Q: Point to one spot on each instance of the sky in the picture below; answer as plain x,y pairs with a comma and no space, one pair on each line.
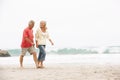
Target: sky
71,23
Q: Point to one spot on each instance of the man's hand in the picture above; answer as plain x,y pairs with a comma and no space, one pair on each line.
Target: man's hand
32,44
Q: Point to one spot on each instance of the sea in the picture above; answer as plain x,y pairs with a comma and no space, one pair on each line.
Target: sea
74,51
109,55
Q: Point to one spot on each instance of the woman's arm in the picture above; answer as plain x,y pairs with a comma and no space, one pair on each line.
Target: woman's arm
48,37
36,38
36,44
51,42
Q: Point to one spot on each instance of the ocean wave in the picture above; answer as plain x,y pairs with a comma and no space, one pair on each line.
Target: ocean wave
73,51
65,51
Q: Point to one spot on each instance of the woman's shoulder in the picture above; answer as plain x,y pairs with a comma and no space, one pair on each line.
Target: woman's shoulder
47,31
38,29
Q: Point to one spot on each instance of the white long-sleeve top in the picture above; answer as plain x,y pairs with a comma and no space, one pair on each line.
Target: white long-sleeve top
41,36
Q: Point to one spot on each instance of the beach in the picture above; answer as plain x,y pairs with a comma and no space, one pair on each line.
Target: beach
63,67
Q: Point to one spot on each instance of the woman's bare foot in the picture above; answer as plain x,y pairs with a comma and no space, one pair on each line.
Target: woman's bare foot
39,65
21,67
42,66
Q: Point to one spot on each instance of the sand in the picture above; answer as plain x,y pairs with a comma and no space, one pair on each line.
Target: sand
64,67
62,71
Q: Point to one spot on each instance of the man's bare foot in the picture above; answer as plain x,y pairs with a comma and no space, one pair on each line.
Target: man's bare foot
37,66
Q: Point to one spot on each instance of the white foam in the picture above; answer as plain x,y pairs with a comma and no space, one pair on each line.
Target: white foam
84,59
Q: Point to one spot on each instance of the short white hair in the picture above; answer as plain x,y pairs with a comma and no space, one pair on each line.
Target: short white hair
31,22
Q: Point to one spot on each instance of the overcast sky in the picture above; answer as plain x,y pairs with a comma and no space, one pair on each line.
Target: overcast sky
71,23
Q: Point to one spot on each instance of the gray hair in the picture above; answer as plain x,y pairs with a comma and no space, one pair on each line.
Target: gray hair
31,22
43,21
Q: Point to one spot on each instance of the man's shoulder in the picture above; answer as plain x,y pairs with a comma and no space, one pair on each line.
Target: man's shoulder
27,29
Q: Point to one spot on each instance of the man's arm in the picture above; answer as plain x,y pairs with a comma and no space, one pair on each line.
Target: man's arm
28,40
25,35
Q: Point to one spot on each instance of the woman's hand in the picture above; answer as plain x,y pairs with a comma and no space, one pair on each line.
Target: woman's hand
52,43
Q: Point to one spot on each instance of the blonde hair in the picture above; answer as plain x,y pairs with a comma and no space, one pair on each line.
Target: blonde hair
45,28
43,22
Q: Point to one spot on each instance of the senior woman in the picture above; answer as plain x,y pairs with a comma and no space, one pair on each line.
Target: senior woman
41,36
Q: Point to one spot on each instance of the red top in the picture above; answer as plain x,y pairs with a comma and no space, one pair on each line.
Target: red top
27,33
